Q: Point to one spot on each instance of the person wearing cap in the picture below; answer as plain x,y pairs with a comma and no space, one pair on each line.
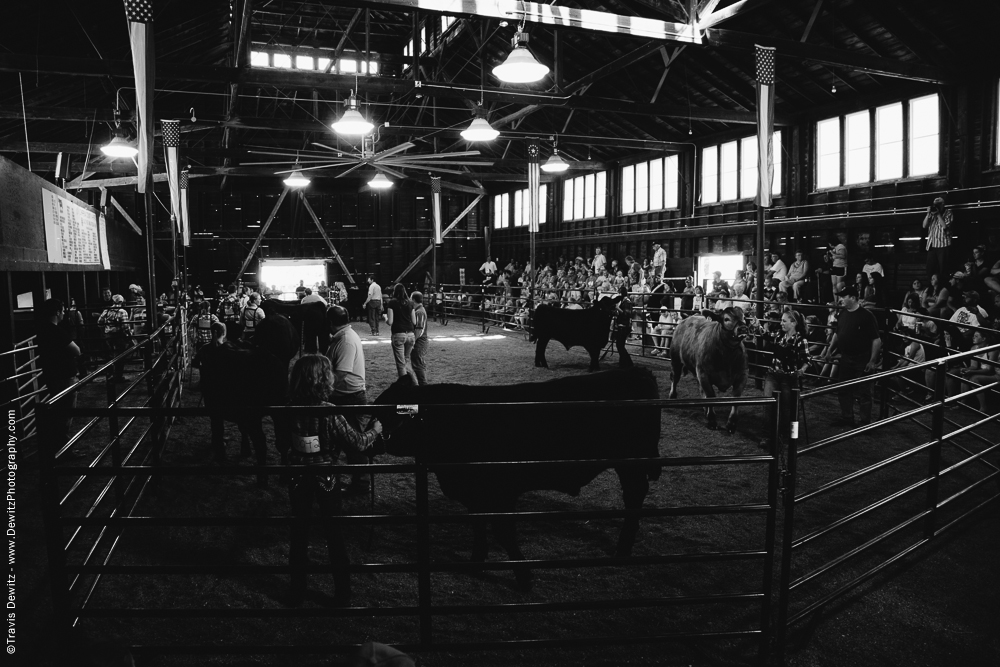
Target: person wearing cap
659,262
937,222
858,343
116,332
970,314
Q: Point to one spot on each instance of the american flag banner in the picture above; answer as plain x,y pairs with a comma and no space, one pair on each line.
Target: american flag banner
765,124
185,220
140,33
534,183
436,209
171,141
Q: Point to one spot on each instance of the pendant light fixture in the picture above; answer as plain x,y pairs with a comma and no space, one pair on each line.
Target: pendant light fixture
352,123
297,179
520,66
380,182
555,164
480,129
119,146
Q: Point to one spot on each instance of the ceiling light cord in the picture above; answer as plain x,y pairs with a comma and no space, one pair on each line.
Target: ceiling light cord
24,117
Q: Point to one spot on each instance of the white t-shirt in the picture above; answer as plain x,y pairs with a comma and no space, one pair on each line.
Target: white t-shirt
489,267
599,262
869,269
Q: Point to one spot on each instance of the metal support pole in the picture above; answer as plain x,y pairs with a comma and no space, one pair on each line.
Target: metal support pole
760,263
788,529
150,262
934,460
773,480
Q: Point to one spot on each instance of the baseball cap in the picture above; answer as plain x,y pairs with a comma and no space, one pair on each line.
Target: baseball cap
849,290
117,298
981,246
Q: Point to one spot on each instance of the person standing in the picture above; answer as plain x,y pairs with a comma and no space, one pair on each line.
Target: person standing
117,332
488,271
937,222
211,368
58,354
419,355
838,256
314,443
599,261
789,362
858,343
252,316
659,263
315,327
230,312
399,310
347,358
374,304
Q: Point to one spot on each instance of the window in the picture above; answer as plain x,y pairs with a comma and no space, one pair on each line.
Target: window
584,196
446,22
656,185
828,153
347,66
322,64
520,208
628,189
924,136
305,62
259,59
889,142
875,137
729,171
501,211
641,190
283,60
857,143
670,181
501,208
649,186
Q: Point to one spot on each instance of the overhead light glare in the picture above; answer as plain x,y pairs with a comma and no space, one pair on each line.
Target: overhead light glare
520,66
555,164
380,182
352,123
297,180
119,146
480,129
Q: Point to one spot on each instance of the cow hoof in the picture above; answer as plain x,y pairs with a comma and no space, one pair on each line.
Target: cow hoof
731,428
712,424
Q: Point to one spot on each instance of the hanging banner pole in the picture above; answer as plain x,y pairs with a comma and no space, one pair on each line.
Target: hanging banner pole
534,182
765,156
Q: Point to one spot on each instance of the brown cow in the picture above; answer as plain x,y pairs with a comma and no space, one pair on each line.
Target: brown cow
713,351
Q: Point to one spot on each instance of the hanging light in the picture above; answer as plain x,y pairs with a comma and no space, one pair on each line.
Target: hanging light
520,66
480,129
380,182
119,146
555,164
352,122
296,179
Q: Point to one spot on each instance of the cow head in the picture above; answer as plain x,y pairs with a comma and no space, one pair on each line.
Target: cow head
734,323
395,427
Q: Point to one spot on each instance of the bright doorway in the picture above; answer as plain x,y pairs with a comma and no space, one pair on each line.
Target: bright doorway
728,264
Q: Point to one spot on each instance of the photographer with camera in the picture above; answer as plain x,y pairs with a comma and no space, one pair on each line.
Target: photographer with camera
937,222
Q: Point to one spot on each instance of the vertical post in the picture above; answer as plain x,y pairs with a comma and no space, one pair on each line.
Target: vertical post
423,556
770,530
534,185
788,528
884,391
150,262
760,263
934,460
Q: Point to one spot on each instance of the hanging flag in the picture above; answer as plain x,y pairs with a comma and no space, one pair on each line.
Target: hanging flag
185,220
171,141
140,33
765,124
436,208
534,183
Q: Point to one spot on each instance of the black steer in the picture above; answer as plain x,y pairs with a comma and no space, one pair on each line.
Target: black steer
461,437
588,329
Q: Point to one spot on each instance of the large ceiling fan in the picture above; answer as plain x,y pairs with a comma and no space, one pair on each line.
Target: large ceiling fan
390,161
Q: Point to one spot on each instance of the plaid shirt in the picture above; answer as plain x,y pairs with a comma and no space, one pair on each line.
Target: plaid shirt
334,433
115,321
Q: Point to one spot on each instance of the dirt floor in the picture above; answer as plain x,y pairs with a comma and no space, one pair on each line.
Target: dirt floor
937,607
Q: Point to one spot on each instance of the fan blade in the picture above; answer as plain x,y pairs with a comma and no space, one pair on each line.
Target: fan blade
391,172
392,151
459,163
322,166
289,162
336,150
440,156
345,173
424,167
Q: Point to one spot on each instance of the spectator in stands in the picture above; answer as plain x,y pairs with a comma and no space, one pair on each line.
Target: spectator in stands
58,355
992,281
857,339
488,271
871,266
938,223
374,305
937,297
798,273
917,290
838,260
789,362
913,354
315,441
750,276
777,273
664,331
698,301
740,299
117,333
634,270
979,270
908,322
399,316
599,262
983,368
719,286
252,316
418,356
970,313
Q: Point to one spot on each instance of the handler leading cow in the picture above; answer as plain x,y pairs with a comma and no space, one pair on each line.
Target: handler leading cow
712,350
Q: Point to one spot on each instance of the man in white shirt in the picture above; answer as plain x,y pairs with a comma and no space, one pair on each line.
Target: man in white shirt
599,260
374,304
488,270
347,355
659,262
779,271
871,266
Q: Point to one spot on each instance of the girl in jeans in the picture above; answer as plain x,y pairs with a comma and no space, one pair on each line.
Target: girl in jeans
399,315
788,362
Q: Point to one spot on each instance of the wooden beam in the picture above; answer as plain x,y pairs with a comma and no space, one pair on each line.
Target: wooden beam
329,243
443,234
263,230
340,48
117,182
128,218
707,20
812,20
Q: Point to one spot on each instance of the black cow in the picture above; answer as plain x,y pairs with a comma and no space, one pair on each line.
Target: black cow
558,436
235,377
588,329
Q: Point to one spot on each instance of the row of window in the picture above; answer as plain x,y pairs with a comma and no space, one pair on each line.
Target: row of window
310,63
420,39
729,170
502,208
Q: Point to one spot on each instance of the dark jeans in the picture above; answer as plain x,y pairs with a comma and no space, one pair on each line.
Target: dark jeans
937,263
374,315
302,491
61,420
850,369
115,346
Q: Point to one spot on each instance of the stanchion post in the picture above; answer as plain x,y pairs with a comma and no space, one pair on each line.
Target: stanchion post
773,478
934,460
424,556
788,528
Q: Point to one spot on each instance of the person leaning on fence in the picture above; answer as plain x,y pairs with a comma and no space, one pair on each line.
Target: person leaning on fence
315,440
789,362
58,356
117,332
858,342
418,357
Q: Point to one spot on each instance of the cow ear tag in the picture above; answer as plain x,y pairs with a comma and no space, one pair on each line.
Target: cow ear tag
407,409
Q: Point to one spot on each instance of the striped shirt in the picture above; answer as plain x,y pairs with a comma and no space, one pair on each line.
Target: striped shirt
937,225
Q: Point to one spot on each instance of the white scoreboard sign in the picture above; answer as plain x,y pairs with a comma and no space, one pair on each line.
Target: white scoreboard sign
74,234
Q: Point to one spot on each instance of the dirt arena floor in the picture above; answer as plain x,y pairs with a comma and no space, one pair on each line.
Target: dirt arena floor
937,608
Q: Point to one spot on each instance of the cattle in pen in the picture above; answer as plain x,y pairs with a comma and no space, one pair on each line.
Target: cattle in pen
589,329
458,436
